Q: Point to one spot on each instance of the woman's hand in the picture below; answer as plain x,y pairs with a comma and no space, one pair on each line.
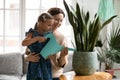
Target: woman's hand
33,57
64,52
62,60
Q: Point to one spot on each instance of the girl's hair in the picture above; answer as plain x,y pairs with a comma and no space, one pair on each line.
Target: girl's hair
55,11
42,18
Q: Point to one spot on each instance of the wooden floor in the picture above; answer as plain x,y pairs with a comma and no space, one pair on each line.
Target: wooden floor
96,76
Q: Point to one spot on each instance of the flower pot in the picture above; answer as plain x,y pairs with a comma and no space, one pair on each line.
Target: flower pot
111,71
84,63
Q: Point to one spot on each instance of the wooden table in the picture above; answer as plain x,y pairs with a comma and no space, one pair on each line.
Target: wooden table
96,76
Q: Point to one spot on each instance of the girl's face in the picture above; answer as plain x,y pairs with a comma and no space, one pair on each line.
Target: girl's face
46,25
57,21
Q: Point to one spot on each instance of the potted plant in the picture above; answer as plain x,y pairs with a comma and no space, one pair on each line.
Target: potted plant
86,33
111,55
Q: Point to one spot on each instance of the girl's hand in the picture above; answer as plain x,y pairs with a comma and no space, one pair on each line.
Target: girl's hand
64,52
41,39
33,57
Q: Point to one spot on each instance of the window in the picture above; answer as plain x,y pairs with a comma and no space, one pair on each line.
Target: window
9,32
17,16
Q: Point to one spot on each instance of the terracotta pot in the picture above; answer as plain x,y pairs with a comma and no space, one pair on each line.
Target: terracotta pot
111,71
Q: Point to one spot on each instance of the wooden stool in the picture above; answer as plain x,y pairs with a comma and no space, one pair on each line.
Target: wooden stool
96,76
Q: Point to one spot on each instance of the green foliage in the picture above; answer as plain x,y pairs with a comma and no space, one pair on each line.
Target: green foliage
86,31
114,38
111,55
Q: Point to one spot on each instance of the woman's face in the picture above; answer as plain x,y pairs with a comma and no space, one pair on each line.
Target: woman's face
57,21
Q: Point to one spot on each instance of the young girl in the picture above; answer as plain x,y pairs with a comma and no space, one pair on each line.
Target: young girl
35,41
59,60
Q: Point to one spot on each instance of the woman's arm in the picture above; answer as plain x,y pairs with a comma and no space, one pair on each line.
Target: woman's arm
62,60
29,56
61,57
32,57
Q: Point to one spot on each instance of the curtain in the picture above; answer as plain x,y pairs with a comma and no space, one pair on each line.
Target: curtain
105,9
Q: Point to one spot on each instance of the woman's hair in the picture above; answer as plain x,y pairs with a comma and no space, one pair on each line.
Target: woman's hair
55,11
42,18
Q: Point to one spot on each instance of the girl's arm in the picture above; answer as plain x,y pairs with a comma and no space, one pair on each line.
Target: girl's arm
29,40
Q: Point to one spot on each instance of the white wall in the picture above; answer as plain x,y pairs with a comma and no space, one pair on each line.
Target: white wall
91,6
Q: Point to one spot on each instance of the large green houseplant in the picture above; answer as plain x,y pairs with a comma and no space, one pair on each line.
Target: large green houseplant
86,33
